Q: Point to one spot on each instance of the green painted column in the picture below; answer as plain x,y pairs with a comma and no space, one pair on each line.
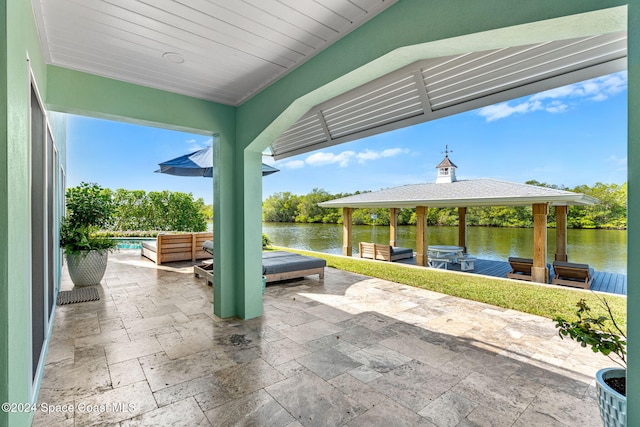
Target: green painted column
4,220
237,282
251,284
226,270
633,213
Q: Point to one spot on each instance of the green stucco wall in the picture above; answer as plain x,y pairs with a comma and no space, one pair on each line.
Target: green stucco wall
19,41
4,220
112,99
633,213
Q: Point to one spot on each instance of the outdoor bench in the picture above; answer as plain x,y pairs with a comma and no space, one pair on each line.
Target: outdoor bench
176,247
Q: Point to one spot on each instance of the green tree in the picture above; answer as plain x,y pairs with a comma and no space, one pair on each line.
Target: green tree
158,210
611,212
407,216
308,209
207,212
131,210
280,207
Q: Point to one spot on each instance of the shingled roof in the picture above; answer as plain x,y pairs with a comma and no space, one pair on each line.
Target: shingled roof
463,193
446,163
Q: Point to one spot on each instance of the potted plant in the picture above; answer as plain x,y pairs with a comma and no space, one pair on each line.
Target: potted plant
89,208
594,331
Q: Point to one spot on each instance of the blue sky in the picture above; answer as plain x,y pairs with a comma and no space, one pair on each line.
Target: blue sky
567,136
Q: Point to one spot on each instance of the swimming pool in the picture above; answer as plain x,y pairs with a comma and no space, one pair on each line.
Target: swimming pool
132,242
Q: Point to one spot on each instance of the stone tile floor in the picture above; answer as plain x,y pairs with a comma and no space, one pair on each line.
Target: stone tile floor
347,350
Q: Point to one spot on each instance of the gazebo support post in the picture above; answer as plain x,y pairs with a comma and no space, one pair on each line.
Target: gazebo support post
462,228
539,271
393,227
561,233
421,235
346,231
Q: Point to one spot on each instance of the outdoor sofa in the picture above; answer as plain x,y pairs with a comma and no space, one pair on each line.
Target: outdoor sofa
572,274
384,252
176,247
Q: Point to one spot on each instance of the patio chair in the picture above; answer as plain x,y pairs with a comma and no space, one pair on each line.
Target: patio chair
520,268
572,274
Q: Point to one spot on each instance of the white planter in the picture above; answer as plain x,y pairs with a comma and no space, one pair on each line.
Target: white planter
613,405
87,268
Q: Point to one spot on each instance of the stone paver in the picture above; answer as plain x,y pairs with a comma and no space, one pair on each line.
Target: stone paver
346,350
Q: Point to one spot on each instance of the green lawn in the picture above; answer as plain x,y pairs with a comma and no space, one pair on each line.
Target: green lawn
529,298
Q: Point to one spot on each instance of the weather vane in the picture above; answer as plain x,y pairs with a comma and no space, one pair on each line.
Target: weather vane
446,150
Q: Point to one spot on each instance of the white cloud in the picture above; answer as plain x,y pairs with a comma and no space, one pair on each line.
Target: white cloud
294,164
367,155
504,109
617,160
321,158
374,155
558,100
194,145
556,107
344,158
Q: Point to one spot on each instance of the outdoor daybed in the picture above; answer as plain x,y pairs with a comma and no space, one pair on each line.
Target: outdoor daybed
384,252
281,265
176,247
572,274
276,265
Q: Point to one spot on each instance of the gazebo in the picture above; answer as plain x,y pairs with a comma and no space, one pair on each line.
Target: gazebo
449,192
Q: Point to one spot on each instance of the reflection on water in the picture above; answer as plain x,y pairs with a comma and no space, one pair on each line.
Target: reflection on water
604,250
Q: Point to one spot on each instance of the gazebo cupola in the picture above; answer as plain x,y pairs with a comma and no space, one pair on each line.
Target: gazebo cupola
446,169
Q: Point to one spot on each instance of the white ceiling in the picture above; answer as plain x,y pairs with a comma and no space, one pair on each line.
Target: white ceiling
231,48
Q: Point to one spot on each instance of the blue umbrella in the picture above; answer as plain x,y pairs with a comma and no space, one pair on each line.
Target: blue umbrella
198,163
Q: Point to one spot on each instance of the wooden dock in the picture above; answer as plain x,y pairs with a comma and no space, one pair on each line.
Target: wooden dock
612,283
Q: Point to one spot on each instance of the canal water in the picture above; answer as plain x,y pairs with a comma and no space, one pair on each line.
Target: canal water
604,250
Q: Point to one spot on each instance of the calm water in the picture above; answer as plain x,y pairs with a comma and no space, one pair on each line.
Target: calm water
604,250
132,242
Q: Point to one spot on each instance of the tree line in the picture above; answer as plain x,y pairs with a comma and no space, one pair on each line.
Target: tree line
610,213
158,211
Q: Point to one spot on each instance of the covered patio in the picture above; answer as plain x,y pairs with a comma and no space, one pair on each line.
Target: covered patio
293,77
348,349
449,192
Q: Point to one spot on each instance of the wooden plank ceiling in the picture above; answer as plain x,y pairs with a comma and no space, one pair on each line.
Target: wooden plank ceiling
220,50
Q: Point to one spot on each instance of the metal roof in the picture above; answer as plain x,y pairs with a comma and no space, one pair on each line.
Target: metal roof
434,88
462,193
